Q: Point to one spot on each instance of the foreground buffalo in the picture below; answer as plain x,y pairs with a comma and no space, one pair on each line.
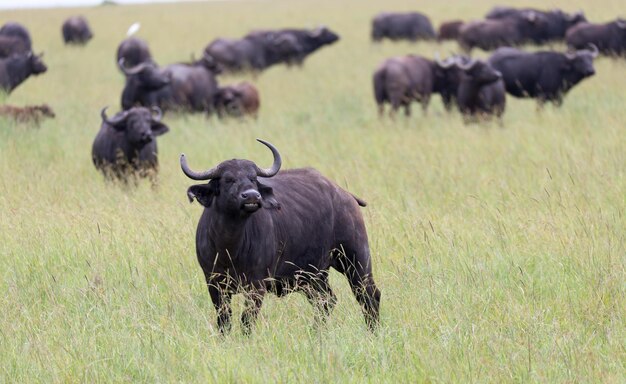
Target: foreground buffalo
17,68
401,80
397,26
133,51
14,39
180,86
237,100
554,28
279,232
126,145
449,30
609,38
490,34
76,30
481,91
545,75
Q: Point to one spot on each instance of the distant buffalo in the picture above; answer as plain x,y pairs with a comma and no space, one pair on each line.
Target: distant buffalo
180,86
553,28
133,51
17,68
609,38
126,144
545,75
491,34
449,30
481,92
259,50
401,80
411,26
237,100
264,231
76,30
14,39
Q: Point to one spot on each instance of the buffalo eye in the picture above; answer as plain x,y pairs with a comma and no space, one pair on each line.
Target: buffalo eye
229,180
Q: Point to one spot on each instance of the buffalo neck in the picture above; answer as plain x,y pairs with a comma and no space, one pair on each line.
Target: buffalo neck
228,231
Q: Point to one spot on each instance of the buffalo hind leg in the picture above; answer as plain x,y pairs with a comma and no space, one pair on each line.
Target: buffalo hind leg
254,301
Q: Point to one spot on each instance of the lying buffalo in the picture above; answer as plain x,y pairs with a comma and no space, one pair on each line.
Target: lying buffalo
14,39
449,30
481,92
126,145
190,87
237,100
402,80
554,28
490,34
411,26
544,75
17,68
609,38
133,51
279,232
76,30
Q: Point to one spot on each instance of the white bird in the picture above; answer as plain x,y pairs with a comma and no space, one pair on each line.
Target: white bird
133,29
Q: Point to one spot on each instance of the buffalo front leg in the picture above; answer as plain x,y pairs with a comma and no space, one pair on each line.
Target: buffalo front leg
221,296
323,299
254,301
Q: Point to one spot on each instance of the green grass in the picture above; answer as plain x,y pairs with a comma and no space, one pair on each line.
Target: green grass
500,253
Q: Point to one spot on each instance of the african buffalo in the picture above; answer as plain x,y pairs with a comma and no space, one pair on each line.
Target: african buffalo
544,75
14,39
481,91
554,28
134,51
237,100
17,68
449,30
176,86
402,80
126,144
490,34
609,38
411,26
279,232
76,30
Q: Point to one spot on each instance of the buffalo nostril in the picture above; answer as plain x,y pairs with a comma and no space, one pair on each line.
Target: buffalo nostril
244,195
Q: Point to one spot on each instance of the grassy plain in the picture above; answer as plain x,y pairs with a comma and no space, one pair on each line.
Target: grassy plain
500,253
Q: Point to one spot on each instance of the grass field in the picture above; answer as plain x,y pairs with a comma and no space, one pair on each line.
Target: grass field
500,252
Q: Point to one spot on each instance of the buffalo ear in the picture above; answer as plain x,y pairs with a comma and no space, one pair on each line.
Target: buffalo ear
204,193
267,193
159,128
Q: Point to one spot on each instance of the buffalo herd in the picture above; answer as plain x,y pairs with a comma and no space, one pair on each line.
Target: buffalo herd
279,232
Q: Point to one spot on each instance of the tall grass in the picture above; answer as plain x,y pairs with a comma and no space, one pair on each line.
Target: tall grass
500,253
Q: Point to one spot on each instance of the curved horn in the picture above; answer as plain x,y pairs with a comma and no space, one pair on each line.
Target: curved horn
134,70
206,175
277,161
158,111
531,16
114,120
621,23
593,50
443,64
467,66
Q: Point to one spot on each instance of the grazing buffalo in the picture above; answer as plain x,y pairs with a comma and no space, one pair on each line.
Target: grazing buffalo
609,38
402,80
449,30
28,114
126,144
292,46
134,51
545,75
490,34
554,28
180,86
17,68
411,26
237,100
14,39
76,30
279,232
481,92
